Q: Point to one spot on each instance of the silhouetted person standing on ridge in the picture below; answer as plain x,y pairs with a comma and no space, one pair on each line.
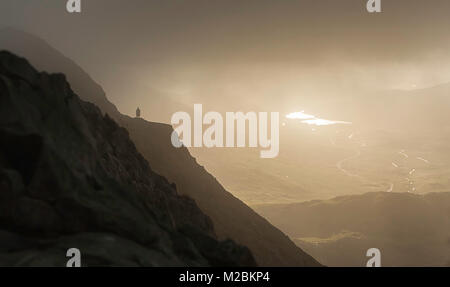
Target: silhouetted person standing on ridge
138,113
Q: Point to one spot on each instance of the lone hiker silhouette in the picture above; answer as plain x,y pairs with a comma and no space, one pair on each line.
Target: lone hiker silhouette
138,113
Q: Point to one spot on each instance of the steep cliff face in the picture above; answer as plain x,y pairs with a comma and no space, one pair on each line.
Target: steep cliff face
231,217
71,178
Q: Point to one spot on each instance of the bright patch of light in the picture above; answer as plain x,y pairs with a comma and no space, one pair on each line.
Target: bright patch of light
323,122
299,116
312,120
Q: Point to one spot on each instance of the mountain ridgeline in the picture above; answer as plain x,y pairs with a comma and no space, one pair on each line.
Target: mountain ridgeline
70,177
231,218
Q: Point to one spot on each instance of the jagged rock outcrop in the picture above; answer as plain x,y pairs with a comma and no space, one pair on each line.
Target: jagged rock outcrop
231,217
70,177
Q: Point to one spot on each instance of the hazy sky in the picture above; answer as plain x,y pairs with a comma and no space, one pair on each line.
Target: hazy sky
246,54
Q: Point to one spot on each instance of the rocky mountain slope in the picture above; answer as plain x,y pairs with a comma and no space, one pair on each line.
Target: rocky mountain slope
231,217
70,177
409,229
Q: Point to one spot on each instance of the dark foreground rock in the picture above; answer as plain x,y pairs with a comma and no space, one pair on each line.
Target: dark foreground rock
71,178
231,217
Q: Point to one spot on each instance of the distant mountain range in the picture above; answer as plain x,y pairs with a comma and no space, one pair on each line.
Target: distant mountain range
231,217
409,229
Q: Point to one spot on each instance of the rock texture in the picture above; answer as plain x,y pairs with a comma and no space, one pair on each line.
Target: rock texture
70,177
231,217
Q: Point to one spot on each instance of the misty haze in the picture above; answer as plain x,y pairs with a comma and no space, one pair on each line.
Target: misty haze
364,130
